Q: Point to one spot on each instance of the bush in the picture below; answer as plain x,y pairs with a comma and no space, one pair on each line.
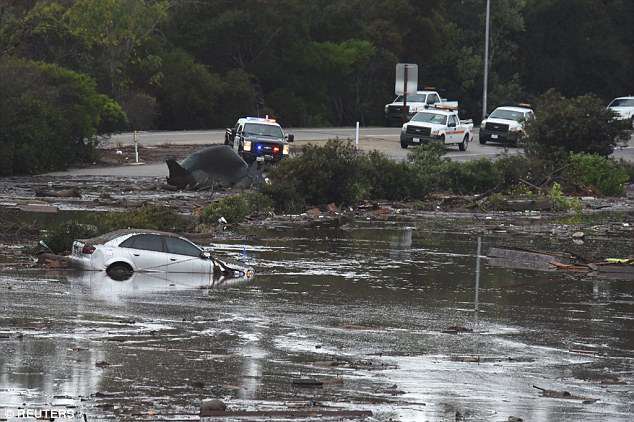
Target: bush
324,174
580,124
604,176
146,217
237,207
60,237
391,180
49,117
561,202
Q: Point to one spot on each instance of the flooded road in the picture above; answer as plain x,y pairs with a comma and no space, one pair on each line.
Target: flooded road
361,317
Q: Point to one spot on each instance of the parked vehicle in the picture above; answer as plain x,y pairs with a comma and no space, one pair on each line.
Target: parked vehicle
259,139
122,252
420,101
506,125
624,108
441,125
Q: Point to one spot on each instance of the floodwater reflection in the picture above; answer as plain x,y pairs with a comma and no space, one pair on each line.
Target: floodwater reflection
367,307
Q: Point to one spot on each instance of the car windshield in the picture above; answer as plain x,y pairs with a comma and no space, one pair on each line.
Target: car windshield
622,102
258,129
414,98
518,116
424,117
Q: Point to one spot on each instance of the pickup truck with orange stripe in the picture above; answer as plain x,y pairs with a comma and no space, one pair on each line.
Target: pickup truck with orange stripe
440,125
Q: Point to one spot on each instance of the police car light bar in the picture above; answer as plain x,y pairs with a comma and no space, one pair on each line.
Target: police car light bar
261,119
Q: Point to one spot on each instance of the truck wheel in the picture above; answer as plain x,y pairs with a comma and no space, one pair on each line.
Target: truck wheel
463,145
403,145
482,141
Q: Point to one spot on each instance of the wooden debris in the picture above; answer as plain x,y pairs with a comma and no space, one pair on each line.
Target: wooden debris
555,394
455,329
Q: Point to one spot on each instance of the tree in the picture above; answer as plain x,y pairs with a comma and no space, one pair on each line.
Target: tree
50,117
113,30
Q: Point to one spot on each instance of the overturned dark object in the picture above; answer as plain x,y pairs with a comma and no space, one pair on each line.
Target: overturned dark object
213,166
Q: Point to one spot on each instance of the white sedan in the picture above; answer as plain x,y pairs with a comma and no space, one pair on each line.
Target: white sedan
122,252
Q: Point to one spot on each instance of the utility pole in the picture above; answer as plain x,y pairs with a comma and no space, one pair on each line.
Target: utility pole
486,60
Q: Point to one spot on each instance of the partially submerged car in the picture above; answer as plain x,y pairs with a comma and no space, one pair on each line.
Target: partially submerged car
506,124
123,252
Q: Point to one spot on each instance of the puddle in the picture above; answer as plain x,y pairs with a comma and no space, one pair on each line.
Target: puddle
360,310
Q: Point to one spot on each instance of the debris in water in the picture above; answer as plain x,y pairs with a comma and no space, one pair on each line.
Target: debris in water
455,329
555,394
212,405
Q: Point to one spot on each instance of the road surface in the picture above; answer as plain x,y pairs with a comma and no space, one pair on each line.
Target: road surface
382,139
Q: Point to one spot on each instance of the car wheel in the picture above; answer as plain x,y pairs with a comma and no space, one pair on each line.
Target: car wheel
119,271
463,145
482,141
403,144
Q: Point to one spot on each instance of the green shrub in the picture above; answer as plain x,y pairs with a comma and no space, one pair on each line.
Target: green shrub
146,217
236,208
49,116
60,237
324,174
562,202
580,124
391,180
285,199
603,175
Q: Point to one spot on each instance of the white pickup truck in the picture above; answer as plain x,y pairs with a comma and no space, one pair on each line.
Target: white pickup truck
439,124
419,101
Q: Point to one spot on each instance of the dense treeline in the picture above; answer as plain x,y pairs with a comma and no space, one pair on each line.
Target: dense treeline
182,64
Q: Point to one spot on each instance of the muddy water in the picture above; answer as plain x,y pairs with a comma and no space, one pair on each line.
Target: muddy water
361,308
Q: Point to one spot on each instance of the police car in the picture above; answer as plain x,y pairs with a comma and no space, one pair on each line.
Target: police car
258,139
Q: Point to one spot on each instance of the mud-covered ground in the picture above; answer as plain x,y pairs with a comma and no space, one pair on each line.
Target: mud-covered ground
366,308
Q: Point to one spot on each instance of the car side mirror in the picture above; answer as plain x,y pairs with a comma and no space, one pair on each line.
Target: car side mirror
205,255
290,137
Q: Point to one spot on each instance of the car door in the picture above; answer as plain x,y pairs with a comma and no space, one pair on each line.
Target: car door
452,124
185,257
146,252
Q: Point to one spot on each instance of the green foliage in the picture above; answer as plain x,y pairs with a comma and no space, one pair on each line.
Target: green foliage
60,237
603,175
49,116
561,202
392,180
145,217
322,62
324,174
564,125
236,208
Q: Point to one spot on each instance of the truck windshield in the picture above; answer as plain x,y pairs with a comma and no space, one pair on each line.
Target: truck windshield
424,117
518,116
259,129
414,98
622,102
